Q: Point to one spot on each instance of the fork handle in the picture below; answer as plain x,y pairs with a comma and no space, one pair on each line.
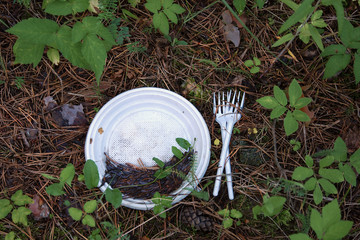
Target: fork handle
228,167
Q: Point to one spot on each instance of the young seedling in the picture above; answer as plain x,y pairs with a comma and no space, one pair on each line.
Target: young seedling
229,217
78,214
18,215
66,176
253,65
161,203
271,206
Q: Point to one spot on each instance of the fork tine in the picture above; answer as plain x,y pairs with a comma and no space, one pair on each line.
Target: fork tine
219,103
214,103
233,103
242,101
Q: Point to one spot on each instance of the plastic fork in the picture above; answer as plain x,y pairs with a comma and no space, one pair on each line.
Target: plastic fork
229,114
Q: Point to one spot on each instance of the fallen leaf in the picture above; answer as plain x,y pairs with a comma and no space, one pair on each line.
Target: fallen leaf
227,17
243,18
39,208
231,32
50,103
73,115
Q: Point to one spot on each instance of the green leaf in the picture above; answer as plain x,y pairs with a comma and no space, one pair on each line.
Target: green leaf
326,161
183,143
78,32
317,14
280,96
290,124
349,174
338,230
75,213
94,53
88,220
48,176
10,236
20,214
335,64
156,198
331,214
309,161
224,212
340,150
254,70
303,10
283,40
316,37
249,63
256,211
90,206
171,16
349,35
177,152
310,184
302,102
327,186
317,195
334,175
91,174
62,8
260,3
305,33
300,236
5,208
235,213
153,6
27,53
278,111
268,102
160,163
257,61
67,174
316,223
113,196
301,116
333,50
160,22
163,173
227,222
53,55
167,3
320,23
239,5
158,209
55,189
295,92
291,4
302,173
20,199
176,8
202,195
273,206
355,160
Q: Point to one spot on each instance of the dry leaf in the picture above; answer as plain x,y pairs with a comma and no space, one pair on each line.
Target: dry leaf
227,17
39,208
231,32
74,115
243,18
50,103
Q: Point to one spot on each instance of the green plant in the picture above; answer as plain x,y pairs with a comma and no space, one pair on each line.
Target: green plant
329,176
19,82
296,144
175,42
26,3
253,65
164,10
271,206
66,176
161,203
229,216
112,232
19,214
279,102
328,225
136,47
84,216
239,5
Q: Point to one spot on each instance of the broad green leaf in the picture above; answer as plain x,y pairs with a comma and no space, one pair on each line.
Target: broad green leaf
160,22
273,206
94,25
5,208
317,195
153,5
158,209
301,116
55,189
94,53
349,35
249,63
338,230
333,49
348,172
295,92
331,214
316,37
156,198
176,8
310,184
283,40
260,3
320,23
20,199
10,236
254,70
88,220
160,163
35,30
224,212
327,186
280,96
335,64
27,53
53,55
290,124
62,8
316,223
355,160
302,173
302,102
183,143
67,174
239,5
114,197
235,213
334,175
19,215
326,161
268,102
78,32
167,3
91,174
340,150
75,213
227,222
171,16
305,33
177,152
357,67
300,236
317,14
256,211
309,161
257,61
90,206
278,111
303,10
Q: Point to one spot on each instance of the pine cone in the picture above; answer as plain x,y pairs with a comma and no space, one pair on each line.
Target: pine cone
196,218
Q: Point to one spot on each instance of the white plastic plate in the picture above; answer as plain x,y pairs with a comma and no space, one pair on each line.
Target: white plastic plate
141,124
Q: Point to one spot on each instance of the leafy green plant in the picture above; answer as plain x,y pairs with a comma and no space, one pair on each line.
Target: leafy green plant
230,216
112,232
84,216
66,176
164,10
271,206
161,203
253,65
279,102
175,42
19,214
296,144
136,47
328,225
239,5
